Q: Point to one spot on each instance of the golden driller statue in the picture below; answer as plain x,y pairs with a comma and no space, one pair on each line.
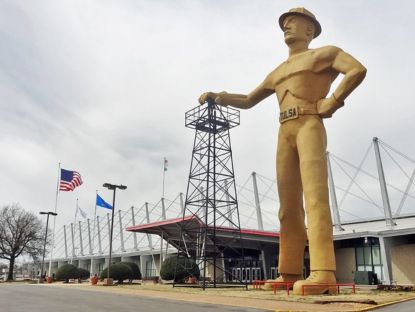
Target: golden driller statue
301,84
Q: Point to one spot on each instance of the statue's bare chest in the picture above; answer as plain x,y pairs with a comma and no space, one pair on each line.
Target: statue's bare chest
307,75
296,68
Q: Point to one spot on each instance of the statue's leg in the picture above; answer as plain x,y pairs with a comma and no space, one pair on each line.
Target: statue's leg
311,144
291,214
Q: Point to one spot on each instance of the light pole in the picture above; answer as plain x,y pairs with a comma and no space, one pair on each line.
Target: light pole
114,188
46,237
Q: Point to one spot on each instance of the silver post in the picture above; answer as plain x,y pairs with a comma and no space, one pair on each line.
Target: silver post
147,213
264,264
150,244
66,243
121,231
73,243
99,236
81,245
163,209
386,260
89,237
92,249
181,204
257,204
161,250
336,212
134,233
167,246
383,187
143,272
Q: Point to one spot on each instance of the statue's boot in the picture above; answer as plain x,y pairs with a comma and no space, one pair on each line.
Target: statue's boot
283,278
318,281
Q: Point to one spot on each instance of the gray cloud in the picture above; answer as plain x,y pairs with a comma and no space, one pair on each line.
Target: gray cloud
102,87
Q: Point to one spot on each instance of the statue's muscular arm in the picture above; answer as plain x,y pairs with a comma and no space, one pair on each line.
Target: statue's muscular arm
354,73
242,101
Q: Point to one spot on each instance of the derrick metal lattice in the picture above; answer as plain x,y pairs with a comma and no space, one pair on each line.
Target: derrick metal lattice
211,198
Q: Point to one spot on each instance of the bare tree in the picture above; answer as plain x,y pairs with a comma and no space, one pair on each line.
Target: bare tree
21,233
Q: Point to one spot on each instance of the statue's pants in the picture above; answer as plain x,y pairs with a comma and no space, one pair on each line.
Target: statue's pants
302,167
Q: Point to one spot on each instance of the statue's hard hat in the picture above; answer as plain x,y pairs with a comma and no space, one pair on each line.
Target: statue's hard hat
302,12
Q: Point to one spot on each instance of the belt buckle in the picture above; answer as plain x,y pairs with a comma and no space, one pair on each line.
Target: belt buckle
289,114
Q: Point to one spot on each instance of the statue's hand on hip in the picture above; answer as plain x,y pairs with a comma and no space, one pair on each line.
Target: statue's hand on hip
326,107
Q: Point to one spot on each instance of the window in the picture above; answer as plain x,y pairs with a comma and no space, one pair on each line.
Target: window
360,260
367,252
376,255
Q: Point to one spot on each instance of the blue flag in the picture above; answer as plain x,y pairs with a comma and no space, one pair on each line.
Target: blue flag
102,203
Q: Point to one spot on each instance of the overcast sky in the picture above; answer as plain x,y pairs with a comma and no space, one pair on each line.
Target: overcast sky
102,88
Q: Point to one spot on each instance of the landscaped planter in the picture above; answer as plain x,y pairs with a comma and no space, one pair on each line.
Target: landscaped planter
94,280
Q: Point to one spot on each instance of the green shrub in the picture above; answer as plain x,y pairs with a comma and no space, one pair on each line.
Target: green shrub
135,269
118,271
66,272
83,273
185,267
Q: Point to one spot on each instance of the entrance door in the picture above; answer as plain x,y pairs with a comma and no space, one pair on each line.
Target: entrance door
238,274
248,275
234,275
256,274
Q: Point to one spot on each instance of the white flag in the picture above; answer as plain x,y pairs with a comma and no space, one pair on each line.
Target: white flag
83,213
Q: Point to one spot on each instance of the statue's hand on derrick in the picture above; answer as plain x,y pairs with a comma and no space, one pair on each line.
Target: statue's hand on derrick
212,96
326,107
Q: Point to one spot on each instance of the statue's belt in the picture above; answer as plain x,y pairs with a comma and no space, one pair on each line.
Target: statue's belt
294,111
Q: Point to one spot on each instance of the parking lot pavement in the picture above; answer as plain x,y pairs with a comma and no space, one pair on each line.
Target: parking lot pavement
41,298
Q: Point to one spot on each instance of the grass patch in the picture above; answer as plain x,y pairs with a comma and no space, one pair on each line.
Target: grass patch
346,295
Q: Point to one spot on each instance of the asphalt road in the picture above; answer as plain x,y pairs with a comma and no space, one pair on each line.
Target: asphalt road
407,306
39,298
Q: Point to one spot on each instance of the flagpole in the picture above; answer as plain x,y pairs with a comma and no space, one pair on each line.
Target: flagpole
93,235
76,211
54,219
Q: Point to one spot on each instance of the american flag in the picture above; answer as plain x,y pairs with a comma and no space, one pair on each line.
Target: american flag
69,180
